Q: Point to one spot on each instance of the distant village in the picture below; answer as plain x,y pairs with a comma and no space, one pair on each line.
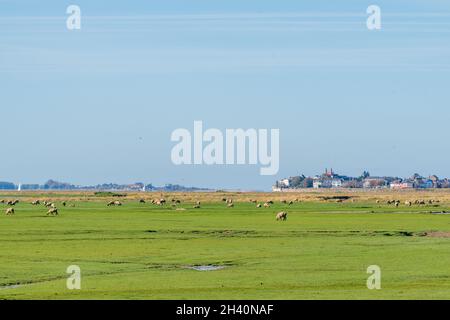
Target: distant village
330,179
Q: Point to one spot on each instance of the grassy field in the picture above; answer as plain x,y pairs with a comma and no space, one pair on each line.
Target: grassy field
143,251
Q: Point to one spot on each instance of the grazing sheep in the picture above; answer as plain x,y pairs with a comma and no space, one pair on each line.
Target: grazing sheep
64,203
266,205
9,211
117,203
230,205
53,212
282,216
111,203
291,203
270,202
198,203
283,201
36,202
259,205
408,203
141,201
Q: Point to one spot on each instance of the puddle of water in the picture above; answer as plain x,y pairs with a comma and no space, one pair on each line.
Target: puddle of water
206,268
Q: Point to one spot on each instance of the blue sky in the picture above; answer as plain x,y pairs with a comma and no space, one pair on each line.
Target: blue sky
99,104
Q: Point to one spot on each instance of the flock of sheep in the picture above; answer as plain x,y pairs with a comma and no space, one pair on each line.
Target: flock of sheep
410,203
52,209
281,216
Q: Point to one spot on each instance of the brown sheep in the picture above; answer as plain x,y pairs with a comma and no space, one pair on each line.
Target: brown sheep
282,216
53,212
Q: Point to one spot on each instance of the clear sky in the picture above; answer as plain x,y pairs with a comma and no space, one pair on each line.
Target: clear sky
99,104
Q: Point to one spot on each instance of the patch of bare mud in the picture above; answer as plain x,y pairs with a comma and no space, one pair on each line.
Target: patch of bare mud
438,234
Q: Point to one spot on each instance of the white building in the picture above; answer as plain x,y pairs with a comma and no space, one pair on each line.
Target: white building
284,183
336,183
402,185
